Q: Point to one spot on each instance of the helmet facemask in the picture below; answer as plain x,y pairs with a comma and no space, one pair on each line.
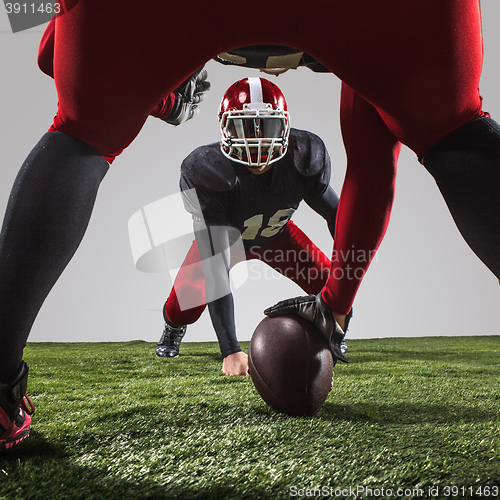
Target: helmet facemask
255,136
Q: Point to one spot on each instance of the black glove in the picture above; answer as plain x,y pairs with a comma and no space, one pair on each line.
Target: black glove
313,309
187,97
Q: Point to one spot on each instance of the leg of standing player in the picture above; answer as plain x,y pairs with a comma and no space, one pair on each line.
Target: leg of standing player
52,199
108,77
365,201
419,64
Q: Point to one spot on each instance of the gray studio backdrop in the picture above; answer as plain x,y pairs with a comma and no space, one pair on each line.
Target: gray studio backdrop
424,281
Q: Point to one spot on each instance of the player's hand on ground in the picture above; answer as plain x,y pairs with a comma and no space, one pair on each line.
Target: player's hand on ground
188,96
235,364
313,309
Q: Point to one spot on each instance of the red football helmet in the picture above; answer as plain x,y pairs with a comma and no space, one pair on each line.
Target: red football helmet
254,122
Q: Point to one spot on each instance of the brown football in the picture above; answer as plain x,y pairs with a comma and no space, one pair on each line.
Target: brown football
290,365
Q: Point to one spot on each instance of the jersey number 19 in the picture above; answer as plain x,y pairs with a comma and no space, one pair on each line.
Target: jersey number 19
254,224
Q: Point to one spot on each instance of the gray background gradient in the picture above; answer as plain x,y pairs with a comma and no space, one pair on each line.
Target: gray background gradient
424,281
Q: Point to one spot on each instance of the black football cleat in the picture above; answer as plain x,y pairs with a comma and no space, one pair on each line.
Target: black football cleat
168,346
343,347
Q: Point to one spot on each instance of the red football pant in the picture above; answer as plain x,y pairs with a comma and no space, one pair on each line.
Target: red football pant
418,63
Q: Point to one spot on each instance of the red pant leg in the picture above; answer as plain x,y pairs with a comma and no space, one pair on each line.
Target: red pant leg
365,201
296,257
188,289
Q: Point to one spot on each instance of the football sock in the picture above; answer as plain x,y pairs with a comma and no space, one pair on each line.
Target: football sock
47,214
466,167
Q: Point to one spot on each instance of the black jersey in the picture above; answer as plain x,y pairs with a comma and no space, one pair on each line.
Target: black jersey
259,206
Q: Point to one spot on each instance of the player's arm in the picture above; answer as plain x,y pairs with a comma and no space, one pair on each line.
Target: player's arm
214,247
183,103
178,107
326,205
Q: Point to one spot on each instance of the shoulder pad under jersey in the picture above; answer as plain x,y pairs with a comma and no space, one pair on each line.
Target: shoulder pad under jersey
272,59
308,153
207,168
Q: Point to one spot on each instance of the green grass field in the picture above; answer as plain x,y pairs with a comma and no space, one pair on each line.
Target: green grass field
407,418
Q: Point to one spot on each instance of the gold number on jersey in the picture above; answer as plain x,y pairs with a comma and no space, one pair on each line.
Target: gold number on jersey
275,223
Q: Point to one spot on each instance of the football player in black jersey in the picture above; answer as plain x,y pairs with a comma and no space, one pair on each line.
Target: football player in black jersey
248,187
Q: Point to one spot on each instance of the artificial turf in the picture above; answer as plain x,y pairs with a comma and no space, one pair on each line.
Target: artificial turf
407,418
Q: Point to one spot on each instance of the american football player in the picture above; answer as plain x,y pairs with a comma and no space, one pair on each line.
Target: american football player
413,65
179,106
251,182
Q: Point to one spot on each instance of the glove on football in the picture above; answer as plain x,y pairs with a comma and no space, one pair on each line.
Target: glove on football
313,309
187,97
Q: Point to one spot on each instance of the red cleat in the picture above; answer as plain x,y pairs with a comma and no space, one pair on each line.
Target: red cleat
16,409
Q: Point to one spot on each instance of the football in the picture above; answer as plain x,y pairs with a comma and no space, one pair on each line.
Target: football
290,365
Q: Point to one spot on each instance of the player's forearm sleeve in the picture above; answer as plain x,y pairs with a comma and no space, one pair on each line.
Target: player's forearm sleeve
213,245
222,316
326,205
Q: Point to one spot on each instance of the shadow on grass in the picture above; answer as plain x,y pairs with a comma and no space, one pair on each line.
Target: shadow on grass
210,355
405,413
38,469
157,422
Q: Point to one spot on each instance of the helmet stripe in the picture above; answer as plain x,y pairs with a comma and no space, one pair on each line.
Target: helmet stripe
255,90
